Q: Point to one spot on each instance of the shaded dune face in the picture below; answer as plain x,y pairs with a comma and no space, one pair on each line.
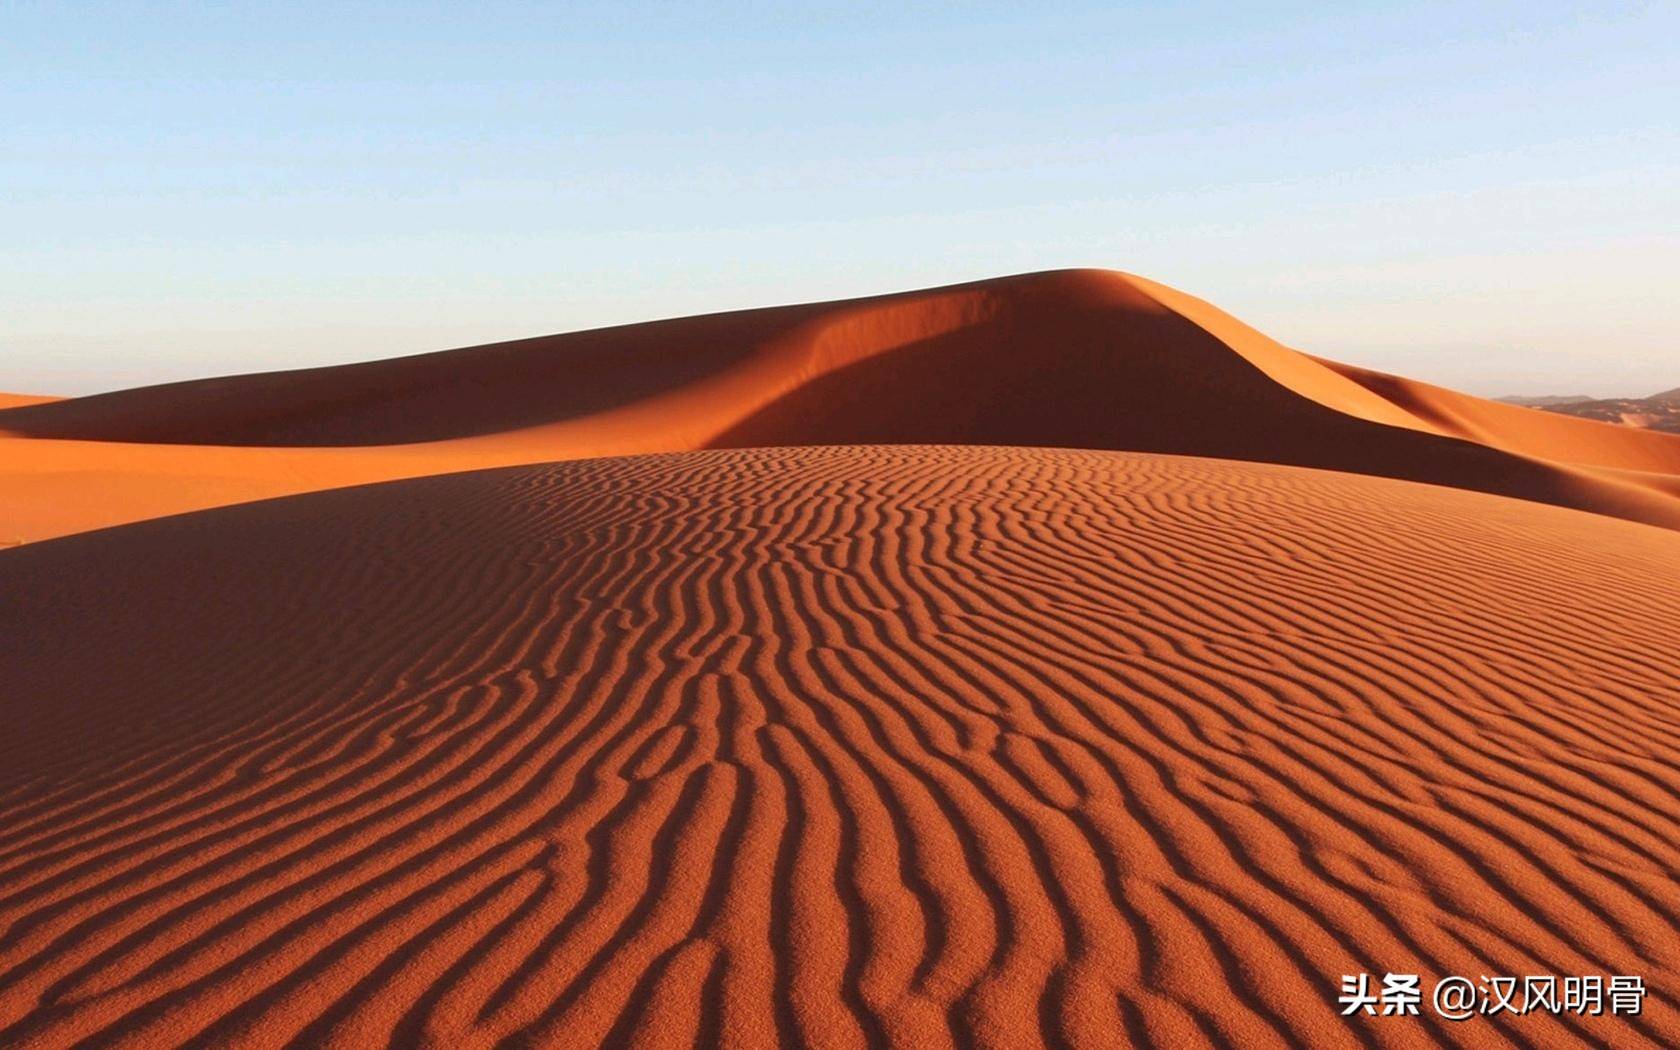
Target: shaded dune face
840,747
1072,359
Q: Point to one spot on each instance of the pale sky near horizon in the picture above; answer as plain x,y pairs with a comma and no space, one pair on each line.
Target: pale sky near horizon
1487,198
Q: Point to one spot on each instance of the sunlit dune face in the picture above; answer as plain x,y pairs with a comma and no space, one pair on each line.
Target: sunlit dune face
1077,358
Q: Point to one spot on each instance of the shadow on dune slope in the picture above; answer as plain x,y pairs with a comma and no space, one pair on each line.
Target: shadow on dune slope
1076,358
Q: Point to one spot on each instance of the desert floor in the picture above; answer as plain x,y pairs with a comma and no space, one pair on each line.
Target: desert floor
1045,661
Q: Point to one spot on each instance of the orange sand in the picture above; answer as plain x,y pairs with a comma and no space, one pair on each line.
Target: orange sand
19,400
1073,358
937,736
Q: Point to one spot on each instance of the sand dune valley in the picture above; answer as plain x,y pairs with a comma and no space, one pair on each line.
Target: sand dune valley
1046,661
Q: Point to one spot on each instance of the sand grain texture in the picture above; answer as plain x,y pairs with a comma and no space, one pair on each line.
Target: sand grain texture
847,746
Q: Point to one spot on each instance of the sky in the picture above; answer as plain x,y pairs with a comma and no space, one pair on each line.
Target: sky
1481,195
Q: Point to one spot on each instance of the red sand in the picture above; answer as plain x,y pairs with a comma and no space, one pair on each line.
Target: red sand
917,745
908,745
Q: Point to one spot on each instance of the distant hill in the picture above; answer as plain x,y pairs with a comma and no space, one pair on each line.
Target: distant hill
1659,412
1544,400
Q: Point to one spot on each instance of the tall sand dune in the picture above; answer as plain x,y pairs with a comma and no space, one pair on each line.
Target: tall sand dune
846,746
1075,358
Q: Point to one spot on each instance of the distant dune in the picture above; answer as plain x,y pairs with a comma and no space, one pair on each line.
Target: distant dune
1078,358
838,747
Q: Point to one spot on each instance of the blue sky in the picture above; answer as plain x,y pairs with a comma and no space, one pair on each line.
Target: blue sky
1487,198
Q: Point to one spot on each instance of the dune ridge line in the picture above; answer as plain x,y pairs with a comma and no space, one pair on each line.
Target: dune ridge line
1072,358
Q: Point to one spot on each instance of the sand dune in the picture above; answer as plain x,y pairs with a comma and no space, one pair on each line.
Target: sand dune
846,746
20,400
1078,358
968,667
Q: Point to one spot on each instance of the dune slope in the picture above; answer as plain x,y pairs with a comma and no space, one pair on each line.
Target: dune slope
1078,358
22,400
842,746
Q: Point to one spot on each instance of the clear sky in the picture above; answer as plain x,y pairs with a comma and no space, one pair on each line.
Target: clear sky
1484,195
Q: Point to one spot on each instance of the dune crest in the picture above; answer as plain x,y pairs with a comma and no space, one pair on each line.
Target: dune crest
1074,358
20,400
